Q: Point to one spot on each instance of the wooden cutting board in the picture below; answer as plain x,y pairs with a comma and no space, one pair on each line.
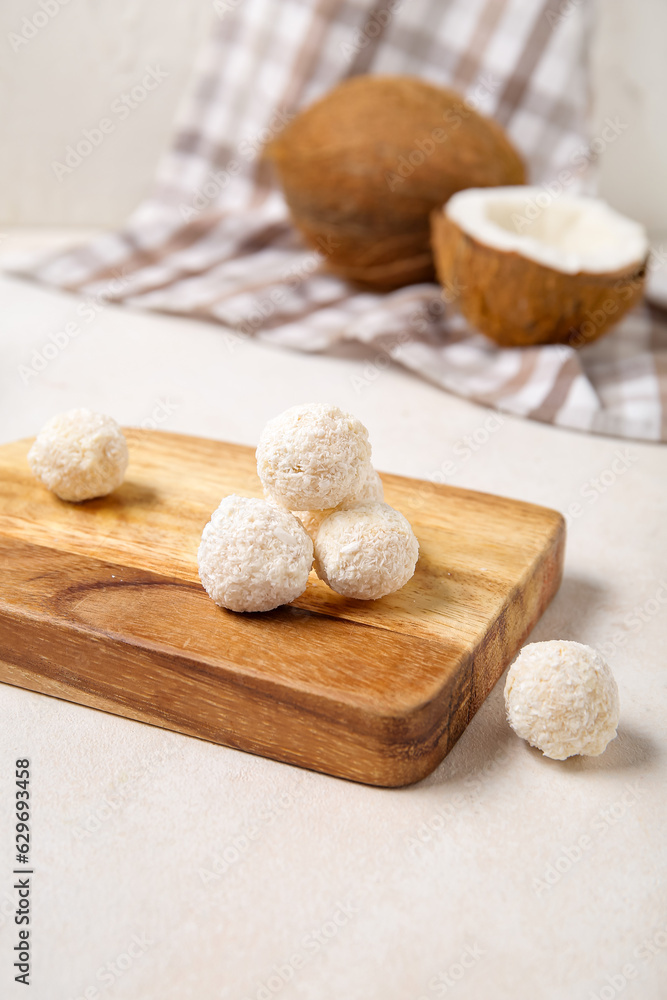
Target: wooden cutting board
100,604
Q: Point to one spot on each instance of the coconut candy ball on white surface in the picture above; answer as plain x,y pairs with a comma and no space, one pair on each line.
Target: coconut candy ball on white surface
79,455
562,697
309,456
253,556
367,486
365,550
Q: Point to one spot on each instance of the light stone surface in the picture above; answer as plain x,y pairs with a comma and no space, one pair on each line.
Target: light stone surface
230,867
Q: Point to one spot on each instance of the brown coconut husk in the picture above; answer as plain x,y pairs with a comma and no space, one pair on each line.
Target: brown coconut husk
518,302
362,169
391,261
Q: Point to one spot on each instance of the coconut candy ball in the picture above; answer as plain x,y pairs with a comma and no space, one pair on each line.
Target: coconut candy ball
367,486
253,556
365,550
80,455
562,697
309,456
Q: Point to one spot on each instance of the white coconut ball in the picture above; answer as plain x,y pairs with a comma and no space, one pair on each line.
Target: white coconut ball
365,550
253,556
367,486
309,456
562,697
80,455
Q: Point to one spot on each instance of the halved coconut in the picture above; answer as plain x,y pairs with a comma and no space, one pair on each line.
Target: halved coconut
525,267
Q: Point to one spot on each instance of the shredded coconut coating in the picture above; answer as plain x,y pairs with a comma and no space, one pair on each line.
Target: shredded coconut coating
367,486
365,550
253,556
309,456
562,697
80,455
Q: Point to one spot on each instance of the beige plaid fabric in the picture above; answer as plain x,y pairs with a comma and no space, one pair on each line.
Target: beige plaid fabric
215,241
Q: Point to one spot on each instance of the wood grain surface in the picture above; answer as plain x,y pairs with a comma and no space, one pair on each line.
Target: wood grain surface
100,604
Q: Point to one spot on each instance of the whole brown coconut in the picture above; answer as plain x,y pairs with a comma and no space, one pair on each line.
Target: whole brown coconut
362,169
520,290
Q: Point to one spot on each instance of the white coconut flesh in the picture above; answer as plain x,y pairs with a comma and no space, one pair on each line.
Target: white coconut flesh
569,233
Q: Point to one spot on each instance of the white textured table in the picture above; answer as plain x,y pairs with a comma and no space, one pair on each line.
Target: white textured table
170,868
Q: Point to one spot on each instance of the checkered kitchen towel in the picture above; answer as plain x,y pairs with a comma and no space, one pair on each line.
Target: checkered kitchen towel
215,241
